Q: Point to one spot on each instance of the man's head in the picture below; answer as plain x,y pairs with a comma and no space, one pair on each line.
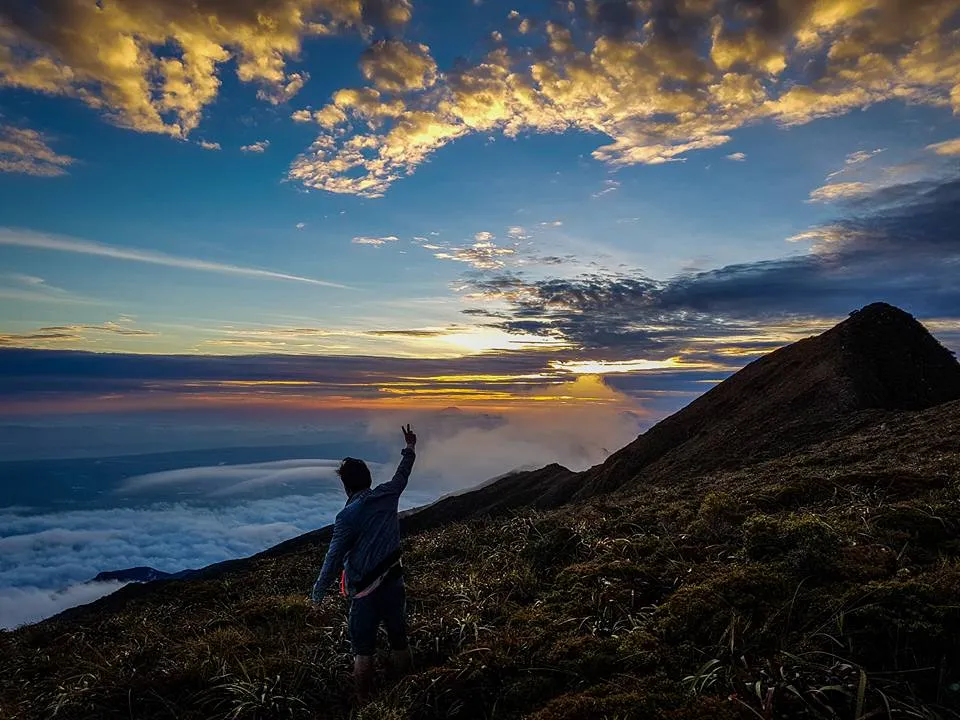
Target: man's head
354,474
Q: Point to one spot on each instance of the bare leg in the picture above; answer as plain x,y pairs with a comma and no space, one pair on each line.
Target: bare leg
363,676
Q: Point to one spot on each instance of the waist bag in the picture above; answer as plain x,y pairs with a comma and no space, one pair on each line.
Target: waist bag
390,568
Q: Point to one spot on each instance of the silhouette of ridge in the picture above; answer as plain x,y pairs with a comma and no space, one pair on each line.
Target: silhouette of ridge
880,358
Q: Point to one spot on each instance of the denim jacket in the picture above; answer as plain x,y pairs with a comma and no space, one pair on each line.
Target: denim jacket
366,531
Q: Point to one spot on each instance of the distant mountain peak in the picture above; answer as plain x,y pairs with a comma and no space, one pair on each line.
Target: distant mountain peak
878,359
892,360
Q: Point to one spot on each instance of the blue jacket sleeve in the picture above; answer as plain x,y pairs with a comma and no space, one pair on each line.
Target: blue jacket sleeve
340,544
402,475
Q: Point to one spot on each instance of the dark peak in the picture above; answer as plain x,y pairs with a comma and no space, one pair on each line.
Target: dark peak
880,358
881,314
881,309
892,360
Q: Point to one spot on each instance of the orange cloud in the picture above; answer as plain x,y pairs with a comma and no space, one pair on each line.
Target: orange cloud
109,54
948,147
659,85
395,66
26,151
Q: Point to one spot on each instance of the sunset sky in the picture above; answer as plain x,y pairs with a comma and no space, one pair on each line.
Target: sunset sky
461,202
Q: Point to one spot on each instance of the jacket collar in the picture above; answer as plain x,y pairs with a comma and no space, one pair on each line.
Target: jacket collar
356,496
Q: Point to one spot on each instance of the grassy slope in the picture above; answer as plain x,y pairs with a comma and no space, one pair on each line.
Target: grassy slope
824,582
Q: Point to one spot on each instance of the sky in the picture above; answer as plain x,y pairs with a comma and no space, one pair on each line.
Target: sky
410,204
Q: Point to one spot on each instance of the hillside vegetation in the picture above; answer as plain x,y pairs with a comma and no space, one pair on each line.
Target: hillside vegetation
821,582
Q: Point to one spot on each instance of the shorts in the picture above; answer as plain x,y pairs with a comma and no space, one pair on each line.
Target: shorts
386,604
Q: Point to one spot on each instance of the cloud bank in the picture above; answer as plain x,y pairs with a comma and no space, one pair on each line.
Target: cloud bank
898,243
46,558
226,480
659,80
21,606
114,57
234,510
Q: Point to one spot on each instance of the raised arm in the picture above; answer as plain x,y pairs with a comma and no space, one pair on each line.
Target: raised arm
402,475
340,544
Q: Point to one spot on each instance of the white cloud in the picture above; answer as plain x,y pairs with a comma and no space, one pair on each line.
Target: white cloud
840,191
737,156
257,147
853,163
26,152
24,605
208,145
229,516
484,236
475,450
301,225
40,241
484,254
861,156
377,241
28,288
609,187
517,233
219,480
43,553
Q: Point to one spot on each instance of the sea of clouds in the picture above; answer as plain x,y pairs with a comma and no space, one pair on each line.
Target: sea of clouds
47,559
222,512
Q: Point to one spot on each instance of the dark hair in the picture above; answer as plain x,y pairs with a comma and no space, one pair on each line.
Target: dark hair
354,474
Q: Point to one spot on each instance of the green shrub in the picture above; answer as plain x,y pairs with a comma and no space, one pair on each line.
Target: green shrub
803,542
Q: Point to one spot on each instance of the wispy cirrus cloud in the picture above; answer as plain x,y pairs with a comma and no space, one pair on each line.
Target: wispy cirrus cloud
30,288
40,241
56,335
375,241
26,152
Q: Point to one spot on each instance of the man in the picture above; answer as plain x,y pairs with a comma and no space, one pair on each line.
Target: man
366,544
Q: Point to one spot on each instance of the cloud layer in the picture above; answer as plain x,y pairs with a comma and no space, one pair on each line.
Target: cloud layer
20,606
114,55
898,243
235,511
42,241
45,558
227,480
659,79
